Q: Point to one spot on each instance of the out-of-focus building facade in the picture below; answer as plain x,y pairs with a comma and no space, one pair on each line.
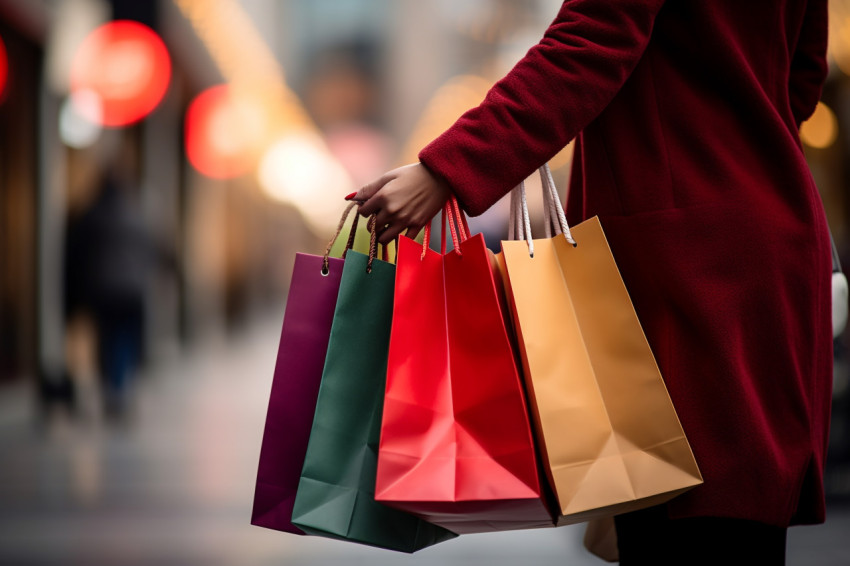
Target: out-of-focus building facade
373,80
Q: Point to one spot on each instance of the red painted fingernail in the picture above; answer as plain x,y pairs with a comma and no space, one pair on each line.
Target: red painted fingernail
351,196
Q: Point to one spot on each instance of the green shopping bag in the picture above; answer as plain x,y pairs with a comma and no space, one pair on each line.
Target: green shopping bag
336,491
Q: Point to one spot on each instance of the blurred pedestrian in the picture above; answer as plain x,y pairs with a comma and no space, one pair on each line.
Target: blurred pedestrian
110,257
686,115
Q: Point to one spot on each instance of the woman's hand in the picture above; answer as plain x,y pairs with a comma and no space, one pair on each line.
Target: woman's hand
406,198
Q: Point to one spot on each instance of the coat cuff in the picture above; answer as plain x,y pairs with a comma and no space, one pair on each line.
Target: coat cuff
436,157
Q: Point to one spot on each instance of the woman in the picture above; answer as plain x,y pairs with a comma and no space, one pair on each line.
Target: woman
686,115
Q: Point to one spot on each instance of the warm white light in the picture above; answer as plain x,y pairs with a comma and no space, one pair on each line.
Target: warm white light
75,129
299,170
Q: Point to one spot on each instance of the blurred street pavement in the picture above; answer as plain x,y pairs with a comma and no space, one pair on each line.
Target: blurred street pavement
174,486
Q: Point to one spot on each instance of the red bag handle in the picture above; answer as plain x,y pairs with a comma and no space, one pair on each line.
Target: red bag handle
458,227
460,219
385,251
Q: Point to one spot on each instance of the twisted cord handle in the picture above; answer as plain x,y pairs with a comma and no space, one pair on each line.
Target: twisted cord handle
519,227
458,227
373,241
349,244
557,216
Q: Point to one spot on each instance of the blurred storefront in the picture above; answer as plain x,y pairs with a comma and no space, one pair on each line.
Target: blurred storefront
222,246
272,111
21,56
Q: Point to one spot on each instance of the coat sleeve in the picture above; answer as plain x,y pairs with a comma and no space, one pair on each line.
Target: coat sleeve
808,64
558,88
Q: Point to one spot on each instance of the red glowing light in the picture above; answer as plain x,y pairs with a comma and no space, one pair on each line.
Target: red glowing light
223,131
4,67
127,65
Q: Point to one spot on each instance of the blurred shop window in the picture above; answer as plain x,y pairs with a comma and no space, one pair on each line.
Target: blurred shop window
19,94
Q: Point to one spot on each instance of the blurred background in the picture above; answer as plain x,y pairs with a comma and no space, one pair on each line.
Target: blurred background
161,162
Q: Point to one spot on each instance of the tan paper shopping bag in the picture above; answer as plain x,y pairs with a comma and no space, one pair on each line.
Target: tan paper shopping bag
609,435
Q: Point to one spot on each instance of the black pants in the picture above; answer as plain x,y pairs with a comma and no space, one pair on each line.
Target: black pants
648,537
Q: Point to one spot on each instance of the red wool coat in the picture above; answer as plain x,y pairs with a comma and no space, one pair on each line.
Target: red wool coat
687,113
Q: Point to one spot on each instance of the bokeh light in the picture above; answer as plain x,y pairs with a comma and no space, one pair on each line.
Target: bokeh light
223,131
127,65
839,34
298,169
821,130
4,67
75,128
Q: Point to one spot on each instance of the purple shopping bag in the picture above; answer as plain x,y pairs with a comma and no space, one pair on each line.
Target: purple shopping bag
295,386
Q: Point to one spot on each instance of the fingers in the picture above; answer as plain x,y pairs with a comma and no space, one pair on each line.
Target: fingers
403,199
390,225
373,195
368,190
413,232
389,234
369,207
367,194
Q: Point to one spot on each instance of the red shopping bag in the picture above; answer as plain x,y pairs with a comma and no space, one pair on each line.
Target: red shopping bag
456,446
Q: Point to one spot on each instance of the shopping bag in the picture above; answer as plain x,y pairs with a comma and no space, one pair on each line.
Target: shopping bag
300,358
336,491
609,435
456,445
